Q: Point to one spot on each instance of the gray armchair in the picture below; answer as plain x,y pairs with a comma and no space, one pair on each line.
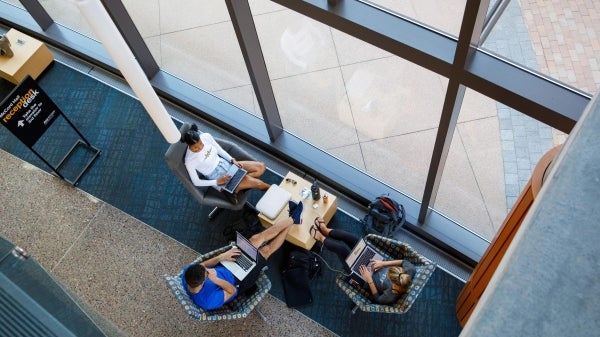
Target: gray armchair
206,195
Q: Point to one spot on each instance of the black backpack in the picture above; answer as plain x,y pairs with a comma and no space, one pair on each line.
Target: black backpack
304,259
248,225
301,267
384,216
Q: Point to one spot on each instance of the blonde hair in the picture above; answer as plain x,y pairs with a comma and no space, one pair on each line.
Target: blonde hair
400,277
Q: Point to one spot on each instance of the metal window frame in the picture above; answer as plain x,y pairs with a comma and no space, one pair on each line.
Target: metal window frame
38,12
117,11
458,59
245,30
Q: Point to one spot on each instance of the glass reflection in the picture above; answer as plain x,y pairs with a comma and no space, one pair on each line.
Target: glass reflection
363,105
195,42
492,156
67,14
445,16
25,281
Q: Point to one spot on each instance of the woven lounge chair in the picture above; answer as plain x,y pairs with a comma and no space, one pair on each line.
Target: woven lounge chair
240,307
392,250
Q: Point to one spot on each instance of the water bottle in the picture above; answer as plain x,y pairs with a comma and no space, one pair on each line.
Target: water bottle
315,190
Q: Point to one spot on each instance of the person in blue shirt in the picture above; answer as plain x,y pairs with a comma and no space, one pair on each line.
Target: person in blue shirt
211,285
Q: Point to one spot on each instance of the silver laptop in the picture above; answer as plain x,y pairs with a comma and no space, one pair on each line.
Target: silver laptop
236,173
244,262
362,253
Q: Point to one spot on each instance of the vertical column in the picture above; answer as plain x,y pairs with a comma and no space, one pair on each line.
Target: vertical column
243,24
130,33
107,32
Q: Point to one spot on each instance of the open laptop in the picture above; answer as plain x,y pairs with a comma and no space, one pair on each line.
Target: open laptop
362,253
236,173
244,262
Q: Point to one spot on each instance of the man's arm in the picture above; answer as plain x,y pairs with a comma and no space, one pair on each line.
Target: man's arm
225,256
228,288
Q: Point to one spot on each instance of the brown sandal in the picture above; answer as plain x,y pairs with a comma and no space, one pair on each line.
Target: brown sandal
317,224
313,232
318,244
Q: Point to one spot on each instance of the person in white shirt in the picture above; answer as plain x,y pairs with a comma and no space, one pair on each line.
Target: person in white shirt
205,156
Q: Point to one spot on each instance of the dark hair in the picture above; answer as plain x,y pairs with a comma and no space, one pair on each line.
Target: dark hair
191,136
195,275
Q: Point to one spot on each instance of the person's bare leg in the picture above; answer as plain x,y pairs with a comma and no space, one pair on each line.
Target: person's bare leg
268,234
251,182
255,168
275,234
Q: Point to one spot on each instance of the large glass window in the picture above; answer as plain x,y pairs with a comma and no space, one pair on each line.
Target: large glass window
13,2
195,42
472,189
557,38
492,156
67,14
554,38
445,16
371,109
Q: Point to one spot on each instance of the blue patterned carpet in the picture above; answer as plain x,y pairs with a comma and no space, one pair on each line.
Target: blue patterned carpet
132,175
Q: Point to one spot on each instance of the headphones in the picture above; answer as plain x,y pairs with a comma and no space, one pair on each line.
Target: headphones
191,136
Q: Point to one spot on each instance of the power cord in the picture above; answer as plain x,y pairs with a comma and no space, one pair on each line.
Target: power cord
329,267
